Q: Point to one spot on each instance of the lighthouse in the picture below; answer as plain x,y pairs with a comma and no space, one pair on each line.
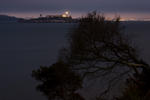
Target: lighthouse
66,14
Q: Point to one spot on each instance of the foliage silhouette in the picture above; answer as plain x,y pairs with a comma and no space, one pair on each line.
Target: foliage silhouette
58,81
100,48
97,47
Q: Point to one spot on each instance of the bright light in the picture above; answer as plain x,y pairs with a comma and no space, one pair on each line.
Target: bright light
64,15
67,12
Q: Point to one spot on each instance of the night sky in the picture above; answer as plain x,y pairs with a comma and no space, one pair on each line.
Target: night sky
128,7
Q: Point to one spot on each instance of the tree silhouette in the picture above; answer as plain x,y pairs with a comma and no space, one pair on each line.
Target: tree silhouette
101,48
58,82
97,47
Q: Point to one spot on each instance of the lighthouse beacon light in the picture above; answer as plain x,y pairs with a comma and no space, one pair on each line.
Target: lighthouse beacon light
66,14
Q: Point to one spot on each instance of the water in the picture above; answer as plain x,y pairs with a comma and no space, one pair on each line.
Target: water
24,47
140,34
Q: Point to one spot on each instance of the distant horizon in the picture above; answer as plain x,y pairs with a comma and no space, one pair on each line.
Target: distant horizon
109,15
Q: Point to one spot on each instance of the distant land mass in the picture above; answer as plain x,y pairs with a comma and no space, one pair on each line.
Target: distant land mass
6,18
60,18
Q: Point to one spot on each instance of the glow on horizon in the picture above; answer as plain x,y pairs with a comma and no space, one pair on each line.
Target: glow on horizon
124,16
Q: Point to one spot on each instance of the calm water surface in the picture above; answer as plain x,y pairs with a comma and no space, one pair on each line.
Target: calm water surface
24,47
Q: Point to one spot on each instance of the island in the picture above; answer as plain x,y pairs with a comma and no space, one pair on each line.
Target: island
63,18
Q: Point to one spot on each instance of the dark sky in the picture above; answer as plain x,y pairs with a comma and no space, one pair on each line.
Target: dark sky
75,5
